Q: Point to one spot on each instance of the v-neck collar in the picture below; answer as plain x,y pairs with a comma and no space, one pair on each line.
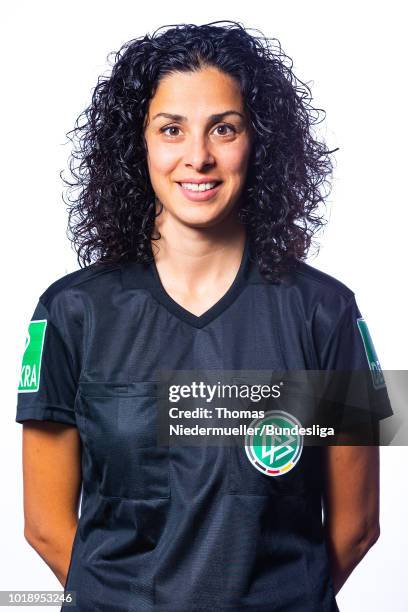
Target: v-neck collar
151,281
216,309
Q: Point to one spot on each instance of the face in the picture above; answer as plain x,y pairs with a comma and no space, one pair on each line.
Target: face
198,144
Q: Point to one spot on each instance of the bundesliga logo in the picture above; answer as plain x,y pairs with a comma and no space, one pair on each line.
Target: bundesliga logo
273,454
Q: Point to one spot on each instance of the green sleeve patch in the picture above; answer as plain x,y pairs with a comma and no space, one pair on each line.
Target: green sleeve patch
31,364
372,358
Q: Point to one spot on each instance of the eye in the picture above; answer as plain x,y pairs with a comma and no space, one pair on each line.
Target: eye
223,126
173,130
163,130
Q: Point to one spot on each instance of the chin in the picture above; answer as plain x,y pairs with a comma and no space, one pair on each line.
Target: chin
201,223
202,218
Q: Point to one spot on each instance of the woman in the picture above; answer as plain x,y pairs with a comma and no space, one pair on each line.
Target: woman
199,184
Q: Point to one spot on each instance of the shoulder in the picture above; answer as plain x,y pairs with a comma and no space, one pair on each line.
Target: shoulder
309,279
316,301
313,293
329,306
93,276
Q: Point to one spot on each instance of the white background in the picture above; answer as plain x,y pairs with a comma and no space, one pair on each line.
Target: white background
52,54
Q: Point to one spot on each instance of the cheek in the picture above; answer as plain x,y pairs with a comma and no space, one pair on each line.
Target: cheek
161,159
235,161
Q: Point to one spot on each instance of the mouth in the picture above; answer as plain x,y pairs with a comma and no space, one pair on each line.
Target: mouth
198,192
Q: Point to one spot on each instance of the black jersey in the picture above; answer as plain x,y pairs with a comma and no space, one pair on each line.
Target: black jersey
187,528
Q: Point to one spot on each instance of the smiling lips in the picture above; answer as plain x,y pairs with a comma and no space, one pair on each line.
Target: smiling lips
198,191
198,186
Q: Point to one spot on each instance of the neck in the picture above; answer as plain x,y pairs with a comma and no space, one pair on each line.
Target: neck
199,256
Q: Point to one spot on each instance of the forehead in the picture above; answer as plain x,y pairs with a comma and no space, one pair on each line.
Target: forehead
208,90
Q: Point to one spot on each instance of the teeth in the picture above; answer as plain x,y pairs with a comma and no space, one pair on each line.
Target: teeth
198,186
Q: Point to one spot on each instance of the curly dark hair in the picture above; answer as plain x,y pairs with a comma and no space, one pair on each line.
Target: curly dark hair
112,213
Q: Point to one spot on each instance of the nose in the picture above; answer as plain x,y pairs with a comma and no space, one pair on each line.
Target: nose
198,154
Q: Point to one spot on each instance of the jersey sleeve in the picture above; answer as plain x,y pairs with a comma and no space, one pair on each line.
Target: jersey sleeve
50,365
356,384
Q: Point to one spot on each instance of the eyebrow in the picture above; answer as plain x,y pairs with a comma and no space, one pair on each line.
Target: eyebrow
216,117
